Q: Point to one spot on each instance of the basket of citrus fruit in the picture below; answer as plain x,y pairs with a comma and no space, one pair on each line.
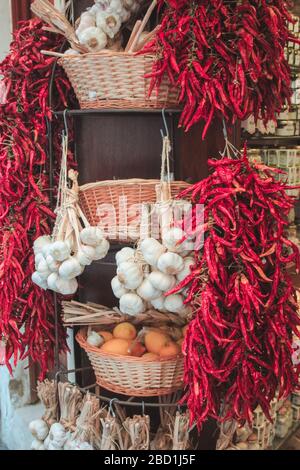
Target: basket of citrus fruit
133,360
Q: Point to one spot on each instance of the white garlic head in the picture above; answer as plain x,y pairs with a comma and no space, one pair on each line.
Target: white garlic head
86,255
53,265
110,23
92,236
40,243
39,429
126,254
132,304
60,251
170,263
159,303
130,275
118,288
162,281
147,292
94,339
39,281
186,270
174,303
66,286
93,38
70,268
171,240
151,250
101,250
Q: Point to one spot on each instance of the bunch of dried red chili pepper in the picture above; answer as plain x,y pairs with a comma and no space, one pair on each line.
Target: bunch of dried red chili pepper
238,347
27,312
226,57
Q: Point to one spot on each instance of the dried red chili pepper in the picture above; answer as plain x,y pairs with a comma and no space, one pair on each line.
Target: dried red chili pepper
238,348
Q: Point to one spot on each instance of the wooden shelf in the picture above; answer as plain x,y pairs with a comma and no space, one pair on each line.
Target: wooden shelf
82,112
274,141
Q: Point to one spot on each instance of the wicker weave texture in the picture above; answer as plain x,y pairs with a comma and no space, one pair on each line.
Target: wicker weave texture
132,375
116,80
135,191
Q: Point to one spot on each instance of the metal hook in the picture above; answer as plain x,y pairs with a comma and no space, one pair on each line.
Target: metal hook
111,410
66,123
165,124
225,130
143,408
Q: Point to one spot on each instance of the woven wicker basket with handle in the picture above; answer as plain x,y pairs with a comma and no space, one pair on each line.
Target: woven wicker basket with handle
116,80
133,375
93,196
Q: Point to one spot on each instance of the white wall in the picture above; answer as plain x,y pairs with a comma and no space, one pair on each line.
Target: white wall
5,27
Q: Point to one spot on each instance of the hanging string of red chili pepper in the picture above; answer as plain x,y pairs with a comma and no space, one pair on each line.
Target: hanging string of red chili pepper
226,57
238,347
27,312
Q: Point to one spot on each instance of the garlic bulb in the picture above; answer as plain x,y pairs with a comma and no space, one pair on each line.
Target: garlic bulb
159,303
84,446
60,251
70,268
86,255
47,442
54,445
101,250
46,250
151,250
94,339
174,303
170,263
126,254
172,238
94,38
53,265
37,259
147,291
51,281
58,434
40,243
87,20
66,286
37,445
39,281
71,52
130,275
110,23
92,236
162,281
186,270
132,304
39,429
43,269
118,288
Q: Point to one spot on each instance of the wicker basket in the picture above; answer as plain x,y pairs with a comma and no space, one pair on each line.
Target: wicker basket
134,376
136,191
116,80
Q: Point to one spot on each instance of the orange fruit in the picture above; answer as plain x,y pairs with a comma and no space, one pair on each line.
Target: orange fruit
171,349
124,331
117,346
150,356
106,335
136,349
155,340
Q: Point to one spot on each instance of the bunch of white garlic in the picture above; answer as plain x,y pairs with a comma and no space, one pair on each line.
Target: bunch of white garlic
40,431
167,264
102,22
59,263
